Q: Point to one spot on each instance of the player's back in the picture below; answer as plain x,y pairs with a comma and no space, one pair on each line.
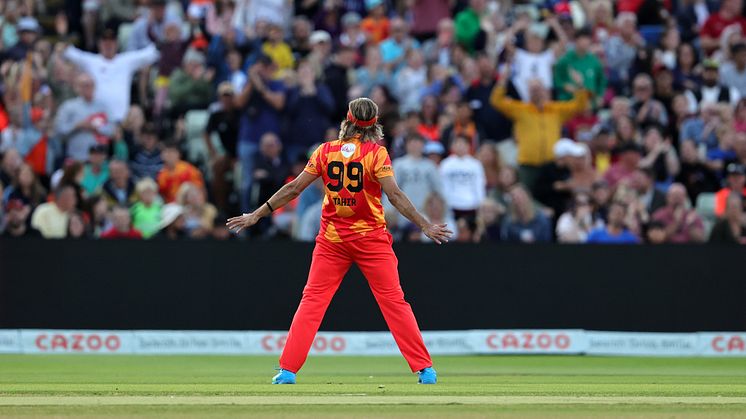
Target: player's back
350,170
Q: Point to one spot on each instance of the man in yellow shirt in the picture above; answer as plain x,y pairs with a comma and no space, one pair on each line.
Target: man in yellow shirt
537,124
279,50
51,218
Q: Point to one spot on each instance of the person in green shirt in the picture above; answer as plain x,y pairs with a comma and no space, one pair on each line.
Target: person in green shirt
468,24
96,171
582,60
146,212
190,87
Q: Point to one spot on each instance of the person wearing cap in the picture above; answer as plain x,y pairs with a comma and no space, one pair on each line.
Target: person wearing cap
537,125
28,30
173,223
552,187
416,175
464,182
583,61
224,122
190,87
682,223
628,160
731,227
711,89
376,25
321,50
16,221
146,212
112,70
730,14
733,72
735,182
96,170
434,151
276,47
83,121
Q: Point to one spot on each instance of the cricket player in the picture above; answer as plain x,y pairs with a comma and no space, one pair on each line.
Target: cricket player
355,169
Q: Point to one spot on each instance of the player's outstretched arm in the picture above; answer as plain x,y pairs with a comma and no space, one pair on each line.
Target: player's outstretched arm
286,194
439,233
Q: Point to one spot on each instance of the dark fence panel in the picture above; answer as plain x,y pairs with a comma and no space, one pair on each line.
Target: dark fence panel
239,285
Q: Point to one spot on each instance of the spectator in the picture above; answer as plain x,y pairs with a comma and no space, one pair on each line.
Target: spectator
576,224
489,156
729,14
733,73
463,125
277,49
463,181
535,62
417,176
702,130
28,30
172,223
523,223
309,109
620,50
372,73
436,211
145,157
175,172
468,26
122,225
683,224
645,108
629,155
438,50
337,75
730,228
553,188
537,124
199,215
488,221
16,221
583,61
321,49
615,231
376,25
190,87
224,122
651,198
96,171
112,72
83,122
660,156
655,233
695,174
151,25
711,89
270,169
260,102
735,181
687,74
77,227
492,123
397,48
51,218
410,81
26,187
146,212
120,188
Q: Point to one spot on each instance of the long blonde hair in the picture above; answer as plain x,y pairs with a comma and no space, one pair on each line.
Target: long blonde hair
363,109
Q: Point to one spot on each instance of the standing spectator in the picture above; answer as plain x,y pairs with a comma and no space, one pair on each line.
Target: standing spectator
145,157
396,48
729,14
83,122
51,218
121,225
28,30
224,121
417,176
468,25
695,174
735,183
683,224
337,75
146,212
280,52
464,185
16,221
190,87
552,186
494,124
175,171
309,109
535,62
576,224
112,70
733,73
410,81
524,224
270,172
489,156
620,50
438,50
615,231
731,227
376,25
96,171
537,125
585,62
120,188
463,125
151,25
371,73
260,102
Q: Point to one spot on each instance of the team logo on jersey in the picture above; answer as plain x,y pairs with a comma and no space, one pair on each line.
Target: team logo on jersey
348,150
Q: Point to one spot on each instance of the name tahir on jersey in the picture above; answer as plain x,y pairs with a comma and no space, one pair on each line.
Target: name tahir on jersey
344,202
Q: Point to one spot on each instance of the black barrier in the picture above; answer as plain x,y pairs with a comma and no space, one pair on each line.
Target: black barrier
256,285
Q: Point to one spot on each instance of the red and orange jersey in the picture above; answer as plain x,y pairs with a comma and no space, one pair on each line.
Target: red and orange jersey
350,170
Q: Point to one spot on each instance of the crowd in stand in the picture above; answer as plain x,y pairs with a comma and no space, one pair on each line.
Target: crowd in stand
583,121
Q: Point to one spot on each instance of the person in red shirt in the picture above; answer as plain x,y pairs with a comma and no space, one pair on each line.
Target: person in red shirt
729,14
176,172
355,170
122,226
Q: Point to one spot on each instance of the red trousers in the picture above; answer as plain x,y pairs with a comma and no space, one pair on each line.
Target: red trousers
377,261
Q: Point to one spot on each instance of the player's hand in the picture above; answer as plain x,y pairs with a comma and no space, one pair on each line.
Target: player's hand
242,222
439,233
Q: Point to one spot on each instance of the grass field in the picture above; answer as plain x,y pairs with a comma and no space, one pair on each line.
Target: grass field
226,386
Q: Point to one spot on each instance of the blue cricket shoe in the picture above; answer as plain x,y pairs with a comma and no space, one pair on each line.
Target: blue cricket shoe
284,377
427,376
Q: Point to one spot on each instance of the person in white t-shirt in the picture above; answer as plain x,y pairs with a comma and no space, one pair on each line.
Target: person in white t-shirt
112,71
535,61
464,184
